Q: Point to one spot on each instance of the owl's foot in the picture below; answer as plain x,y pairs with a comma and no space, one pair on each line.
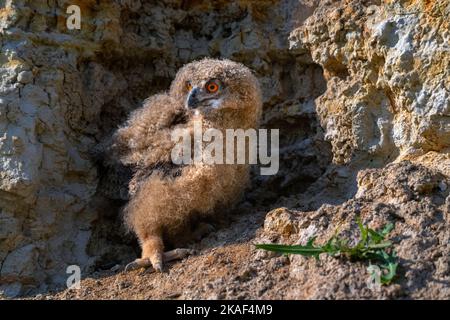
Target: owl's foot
176,254
152,254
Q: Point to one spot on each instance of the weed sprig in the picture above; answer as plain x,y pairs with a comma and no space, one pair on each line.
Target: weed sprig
372,246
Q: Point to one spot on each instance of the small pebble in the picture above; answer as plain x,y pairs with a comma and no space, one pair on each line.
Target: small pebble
173,295
116,268
123,284
25,77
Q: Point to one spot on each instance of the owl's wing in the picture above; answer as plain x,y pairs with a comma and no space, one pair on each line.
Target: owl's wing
140,146
145,139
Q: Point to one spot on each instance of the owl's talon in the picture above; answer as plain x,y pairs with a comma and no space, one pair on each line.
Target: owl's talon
158,266
178,254
138,263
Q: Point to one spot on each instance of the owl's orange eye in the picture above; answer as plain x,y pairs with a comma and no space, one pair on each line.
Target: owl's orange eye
212,87
188,86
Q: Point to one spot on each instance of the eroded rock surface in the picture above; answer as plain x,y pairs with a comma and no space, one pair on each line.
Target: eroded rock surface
412,197
388,81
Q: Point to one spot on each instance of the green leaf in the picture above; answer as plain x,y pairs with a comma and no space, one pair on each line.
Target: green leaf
392,271
371,246
390,266
387,229
303,250
364,233
310,242
375,236
381,245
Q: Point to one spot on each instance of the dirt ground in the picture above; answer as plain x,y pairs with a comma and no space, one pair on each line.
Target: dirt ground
225,266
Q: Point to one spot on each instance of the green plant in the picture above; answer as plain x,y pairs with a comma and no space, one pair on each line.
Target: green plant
372,246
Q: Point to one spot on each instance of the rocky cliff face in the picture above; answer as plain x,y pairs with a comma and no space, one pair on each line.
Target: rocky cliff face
351,84
387,92
386,106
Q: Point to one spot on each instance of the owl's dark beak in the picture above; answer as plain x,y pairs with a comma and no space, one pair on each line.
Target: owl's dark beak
192,100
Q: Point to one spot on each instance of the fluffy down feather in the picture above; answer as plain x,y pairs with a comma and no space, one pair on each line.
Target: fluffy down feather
166,198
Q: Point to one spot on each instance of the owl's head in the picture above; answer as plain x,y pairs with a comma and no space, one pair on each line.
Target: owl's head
212,85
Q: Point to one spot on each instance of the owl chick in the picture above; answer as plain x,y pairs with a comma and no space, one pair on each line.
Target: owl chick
166,198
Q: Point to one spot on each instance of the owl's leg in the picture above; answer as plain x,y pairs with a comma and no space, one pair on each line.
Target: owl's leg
152,249
152,255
